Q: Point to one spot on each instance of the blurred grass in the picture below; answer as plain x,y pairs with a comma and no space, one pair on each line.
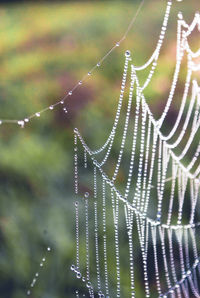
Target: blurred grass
45,48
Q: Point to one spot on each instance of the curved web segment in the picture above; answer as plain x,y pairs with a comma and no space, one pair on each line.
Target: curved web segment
158,203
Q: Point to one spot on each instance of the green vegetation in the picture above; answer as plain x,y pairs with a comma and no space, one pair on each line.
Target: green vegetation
45,48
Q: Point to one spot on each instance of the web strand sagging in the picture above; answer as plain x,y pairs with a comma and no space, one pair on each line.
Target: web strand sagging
69,93
156,208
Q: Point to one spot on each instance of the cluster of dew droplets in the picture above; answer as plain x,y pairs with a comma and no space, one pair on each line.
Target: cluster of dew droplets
36,276
162,156
69,93
76,268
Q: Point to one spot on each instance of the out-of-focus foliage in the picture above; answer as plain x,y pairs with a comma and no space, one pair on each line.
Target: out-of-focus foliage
45,48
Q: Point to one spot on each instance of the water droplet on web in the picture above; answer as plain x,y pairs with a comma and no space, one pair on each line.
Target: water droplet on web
86,195
88,284
180,16
28,292
127,53
21,123
78,275
43,259
41,264
72,267
48,248
37,114
51,108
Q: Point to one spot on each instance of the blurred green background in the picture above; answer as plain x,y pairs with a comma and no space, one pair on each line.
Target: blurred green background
45,48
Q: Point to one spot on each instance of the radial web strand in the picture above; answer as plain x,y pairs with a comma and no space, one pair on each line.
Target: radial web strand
155,209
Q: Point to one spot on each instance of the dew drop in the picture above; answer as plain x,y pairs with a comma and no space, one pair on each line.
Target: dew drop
80,82
86,195
62,102
180,16
41,264
70,93
98,64
28,292
129,232
83,279
51,108
78,275
76,203
48,248
43,259
88,284
21,123
72,267
117,44
37,274
37,114
26,120
127,53
89,73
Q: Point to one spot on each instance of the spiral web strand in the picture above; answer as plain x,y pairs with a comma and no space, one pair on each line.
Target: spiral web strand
157,207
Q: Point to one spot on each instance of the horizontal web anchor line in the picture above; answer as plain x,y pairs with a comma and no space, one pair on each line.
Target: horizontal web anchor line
21,123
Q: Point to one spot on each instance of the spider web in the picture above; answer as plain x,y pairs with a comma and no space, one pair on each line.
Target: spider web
156,208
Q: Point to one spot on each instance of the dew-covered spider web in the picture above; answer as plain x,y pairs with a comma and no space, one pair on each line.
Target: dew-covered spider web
144,225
